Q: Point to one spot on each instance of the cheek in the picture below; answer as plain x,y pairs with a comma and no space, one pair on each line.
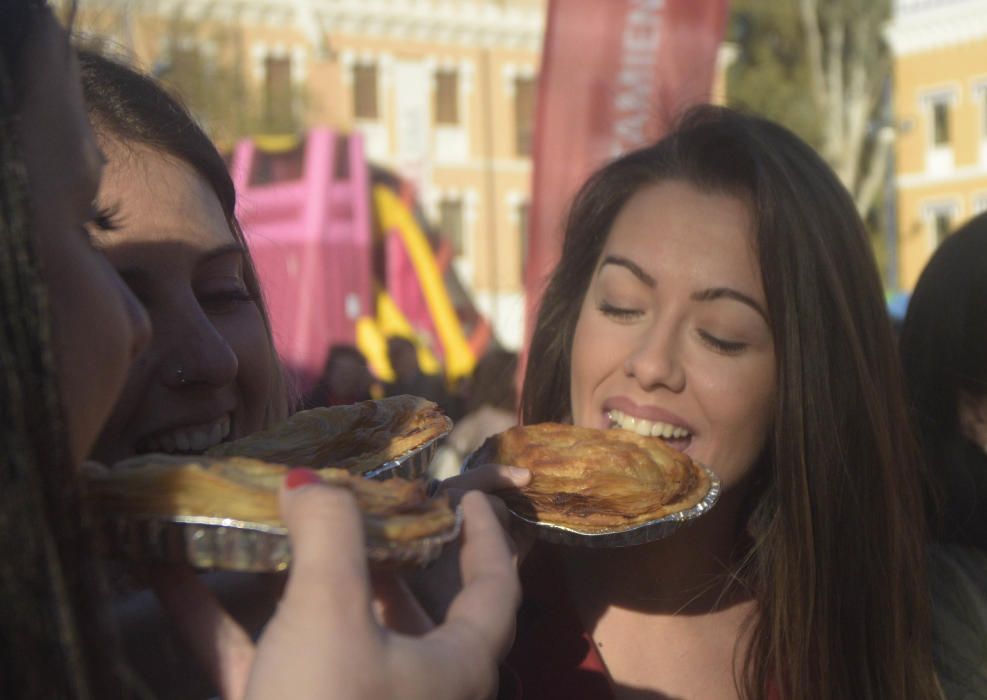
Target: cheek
92,338
741,406
246,335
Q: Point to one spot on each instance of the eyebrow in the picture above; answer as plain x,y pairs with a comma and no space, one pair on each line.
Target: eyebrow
711,294
633,267
728,293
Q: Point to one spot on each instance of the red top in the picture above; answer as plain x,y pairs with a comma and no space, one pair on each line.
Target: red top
554,656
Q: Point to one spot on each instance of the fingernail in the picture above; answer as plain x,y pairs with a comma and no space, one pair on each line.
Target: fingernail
296,478
518,472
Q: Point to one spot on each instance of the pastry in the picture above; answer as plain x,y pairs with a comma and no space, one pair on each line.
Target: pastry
359,437
594,481
223,514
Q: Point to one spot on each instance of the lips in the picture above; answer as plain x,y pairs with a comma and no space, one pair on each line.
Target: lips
188,439
621,412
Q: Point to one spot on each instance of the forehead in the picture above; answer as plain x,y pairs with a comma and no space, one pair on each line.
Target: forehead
160,198
673,227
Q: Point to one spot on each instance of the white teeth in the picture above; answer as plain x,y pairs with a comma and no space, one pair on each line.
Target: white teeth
197,439
641,426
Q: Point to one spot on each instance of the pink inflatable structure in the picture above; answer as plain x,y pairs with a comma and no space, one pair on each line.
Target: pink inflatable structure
306,217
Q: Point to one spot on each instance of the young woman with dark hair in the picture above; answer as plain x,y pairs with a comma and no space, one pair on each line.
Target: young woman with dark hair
943,347
69,331
211,372
718,288
944,353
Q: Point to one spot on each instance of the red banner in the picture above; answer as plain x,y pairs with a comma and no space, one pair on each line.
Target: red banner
615,74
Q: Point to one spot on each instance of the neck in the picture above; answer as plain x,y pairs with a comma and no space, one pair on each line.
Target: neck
690,572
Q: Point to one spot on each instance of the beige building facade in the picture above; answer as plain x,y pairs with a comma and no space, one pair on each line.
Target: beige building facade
443,92
940,107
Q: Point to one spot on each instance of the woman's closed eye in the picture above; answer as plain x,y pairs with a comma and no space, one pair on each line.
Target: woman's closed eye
619,313
101,219
219,301
105,218
722,345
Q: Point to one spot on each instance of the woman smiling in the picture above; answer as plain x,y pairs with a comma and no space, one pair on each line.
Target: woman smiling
717,290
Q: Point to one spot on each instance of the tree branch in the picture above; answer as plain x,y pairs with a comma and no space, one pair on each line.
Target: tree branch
876,170
814,50
834,131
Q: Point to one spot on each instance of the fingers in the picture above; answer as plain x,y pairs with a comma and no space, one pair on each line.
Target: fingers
329,569
218,643
323,633
489,478
491,590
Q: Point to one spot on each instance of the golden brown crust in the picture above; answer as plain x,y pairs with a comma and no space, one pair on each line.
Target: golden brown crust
358,438
595,480
244,489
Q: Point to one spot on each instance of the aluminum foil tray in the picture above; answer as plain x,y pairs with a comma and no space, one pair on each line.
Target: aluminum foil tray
641,533
411,465
233,545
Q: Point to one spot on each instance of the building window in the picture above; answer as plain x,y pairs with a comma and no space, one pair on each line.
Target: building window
278,112
941,225
524,115
365,91
451,222
446,97
940,123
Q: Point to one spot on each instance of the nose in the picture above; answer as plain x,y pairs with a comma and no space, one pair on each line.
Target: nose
198,353
654,361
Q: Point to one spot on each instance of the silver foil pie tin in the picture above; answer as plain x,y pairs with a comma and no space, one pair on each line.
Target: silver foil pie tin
412,465
641,533
235,545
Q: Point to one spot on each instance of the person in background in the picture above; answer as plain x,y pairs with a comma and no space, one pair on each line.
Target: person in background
345,379
944,354
410,379
490,407
943,346
69,332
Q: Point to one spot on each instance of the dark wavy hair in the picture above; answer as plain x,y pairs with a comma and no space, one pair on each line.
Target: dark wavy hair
944,353
837,565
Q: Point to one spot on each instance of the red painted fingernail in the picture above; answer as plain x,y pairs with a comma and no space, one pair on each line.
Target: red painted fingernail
296,478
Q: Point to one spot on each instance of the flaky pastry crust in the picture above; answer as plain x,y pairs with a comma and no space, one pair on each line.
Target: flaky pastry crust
243,489
359,437
594,480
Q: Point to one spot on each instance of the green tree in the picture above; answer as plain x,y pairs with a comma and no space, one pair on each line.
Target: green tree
820,67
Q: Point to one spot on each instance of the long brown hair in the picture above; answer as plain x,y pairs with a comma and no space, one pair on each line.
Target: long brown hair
56,638
837,564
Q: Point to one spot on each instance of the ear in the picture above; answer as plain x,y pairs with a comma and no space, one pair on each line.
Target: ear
973,418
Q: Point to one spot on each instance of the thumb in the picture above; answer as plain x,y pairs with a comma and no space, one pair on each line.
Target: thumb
329,568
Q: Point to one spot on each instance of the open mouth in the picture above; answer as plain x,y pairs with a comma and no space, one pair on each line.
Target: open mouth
675,436
191,440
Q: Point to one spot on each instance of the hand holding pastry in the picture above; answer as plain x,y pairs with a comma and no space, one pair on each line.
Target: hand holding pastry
325,640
